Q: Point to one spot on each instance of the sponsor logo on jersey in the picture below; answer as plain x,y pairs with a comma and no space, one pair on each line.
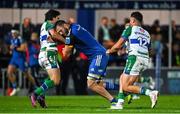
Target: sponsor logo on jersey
142,30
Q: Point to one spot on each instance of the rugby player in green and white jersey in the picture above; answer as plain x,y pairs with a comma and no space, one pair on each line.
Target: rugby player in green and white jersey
48,56
138,59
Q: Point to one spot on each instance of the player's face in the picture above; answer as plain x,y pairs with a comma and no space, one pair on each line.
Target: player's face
14,35
132,21
62,30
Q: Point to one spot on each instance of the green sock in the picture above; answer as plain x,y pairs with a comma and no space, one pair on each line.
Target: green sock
43,88
121,95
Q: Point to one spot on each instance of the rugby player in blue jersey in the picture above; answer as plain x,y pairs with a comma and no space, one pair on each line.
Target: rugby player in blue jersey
18,60
79,38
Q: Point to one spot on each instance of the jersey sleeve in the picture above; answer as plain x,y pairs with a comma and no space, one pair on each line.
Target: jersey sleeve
76,30
80,33
126,33
49,26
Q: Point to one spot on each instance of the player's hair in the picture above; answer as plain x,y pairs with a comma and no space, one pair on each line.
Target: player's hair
138,16
60,23
50,14
104,17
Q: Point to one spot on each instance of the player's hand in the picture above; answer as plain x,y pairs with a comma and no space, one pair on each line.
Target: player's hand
12,47
108,51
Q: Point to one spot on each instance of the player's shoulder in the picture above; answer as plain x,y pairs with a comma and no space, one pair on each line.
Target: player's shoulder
136,27
128,27
75,28
147,33
144,31
48,25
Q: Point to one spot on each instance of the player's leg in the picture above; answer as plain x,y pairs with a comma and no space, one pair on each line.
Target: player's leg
54,79
131,97
135,96
23,67
97,87
49,61
30,77
11,70
121,95
129,86
34,72
97,69
126,87
133,67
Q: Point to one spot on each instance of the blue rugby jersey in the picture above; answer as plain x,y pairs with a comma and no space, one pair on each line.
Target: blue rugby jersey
16,42
83,41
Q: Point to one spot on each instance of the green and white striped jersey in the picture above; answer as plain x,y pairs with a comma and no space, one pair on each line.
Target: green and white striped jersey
138,41
44,35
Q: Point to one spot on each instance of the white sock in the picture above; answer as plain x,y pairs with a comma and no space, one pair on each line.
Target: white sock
147,92
120,100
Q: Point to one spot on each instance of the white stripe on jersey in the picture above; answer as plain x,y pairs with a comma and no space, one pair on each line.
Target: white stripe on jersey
98,60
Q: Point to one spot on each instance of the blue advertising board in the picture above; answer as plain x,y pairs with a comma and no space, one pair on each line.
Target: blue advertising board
85,4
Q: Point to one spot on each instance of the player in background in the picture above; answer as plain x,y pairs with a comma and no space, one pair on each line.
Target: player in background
138,58
18,60
48,56
32,53
78,37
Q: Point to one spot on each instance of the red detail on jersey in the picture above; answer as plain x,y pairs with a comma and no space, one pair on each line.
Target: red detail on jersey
83,56
60,48
142,30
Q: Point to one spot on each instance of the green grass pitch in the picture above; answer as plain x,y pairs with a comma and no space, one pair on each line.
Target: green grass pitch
88,104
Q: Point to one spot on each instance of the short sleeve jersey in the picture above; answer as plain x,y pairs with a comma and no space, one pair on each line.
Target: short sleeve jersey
138,41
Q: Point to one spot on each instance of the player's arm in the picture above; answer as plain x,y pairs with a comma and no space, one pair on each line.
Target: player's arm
150,50
22,47
116,46
12,47
67,51
124,37
53,33
56,36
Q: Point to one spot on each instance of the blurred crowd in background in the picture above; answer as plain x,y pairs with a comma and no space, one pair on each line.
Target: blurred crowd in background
110,31
76,66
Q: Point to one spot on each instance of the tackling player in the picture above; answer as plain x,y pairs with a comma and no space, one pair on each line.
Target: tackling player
48,56
138,59
78,37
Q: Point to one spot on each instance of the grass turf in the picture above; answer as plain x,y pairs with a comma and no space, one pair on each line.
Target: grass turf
88,104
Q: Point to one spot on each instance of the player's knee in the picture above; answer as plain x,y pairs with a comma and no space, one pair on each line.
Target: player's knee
125,88
56,81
